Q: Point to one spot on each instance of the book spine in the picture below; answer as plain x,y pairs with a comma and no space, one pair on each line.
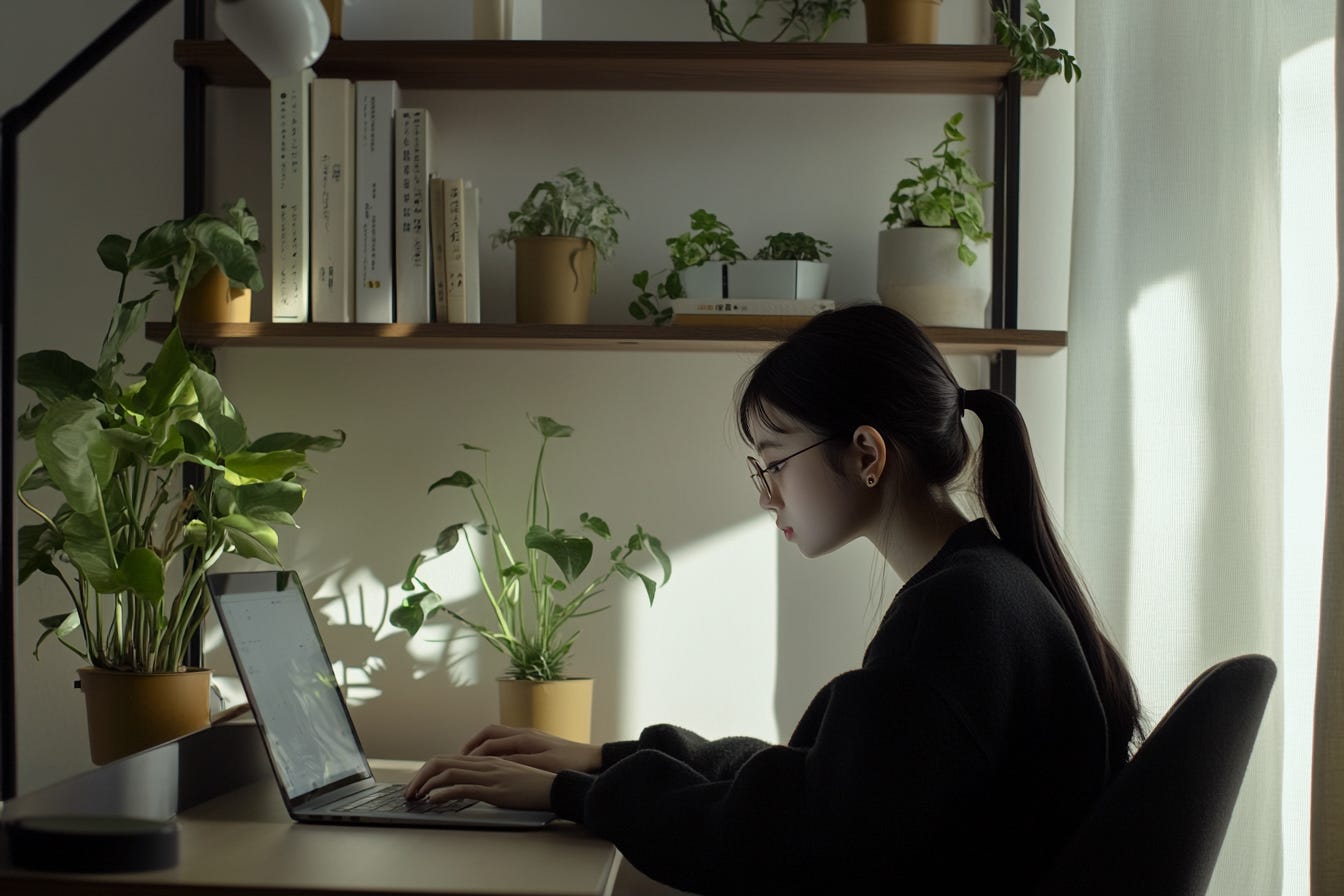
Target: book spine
455,270
375,102
332,218
741,320
290,103
438,246
412,156
471,252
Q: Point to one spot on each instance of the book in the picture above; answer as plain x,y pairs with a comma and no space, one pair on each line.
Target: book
438,246
471,253
411,157
290,164
455,285
332,216
789,321
375,102
777,307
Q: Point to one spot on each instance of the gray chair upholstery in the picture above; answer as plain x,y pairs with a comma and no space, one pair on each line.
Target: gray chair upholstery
1158,828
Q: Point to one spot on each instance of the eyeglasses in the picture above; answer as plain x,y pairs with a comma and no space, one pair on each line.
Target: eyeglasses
758,472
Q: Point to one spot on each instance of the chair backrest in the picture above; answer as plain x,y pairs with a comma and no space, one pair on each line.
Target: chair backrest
1158,828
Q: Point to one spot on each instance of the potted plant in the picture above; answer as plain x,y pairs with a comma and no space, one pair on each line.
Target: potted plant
901,21
706,262
530,620
128,544
1033,44
925,265
557,234
224,270
799,20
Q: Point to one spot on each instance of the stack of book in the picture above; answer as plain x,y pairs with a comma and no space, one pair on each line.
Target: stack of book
362,228
747,312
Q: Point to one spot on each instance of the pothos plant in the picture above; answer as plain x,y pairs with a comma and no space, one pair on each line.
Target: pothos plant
531,619
568,204
1032,43
799,20
711,239
944,193
128,543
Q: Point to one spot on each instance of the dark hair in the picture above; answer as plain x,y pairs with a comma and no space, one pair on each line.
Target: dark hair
869,364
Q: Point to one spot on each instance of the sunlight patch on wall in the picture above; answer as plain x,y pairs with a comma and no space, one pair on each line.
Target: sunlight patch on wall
718,612
1170,444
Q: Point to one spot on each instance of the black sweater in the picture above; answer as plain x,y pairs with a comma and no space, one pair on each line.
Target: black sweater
956,760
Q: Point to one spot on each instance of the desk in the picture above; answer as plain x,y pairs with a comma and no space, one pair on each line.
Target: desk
242,841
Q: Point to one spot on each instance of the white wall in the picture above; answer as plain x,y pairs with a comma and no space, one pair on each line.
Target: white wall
747,630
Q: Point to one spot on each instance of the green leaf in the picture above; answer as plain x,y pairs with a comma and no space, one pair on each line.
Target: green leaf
474,448
142,571
249,465
571,553
165,380
460,479
234,256
156,247
965,254
250,538
38,545
274,502
449,538
296,441
60,626
219,413
55,376
549,428
113,249
656,549
650,587
86,546
71,446
128,320
595,524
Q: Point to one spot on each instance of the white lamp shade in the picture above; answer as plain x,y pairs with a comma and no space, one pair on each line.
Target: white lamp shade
281,37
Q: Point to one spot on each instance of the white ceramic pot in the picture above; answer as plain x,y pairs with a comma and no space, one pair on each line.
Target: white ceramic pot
920,275
756,280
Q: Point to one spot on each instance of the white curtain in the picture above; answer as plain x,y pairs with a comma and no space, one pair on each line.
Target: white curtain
1202,302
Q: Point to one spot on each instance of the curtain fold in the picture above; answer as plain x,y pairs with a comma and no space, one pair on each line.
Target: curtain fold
1327,779
1189,506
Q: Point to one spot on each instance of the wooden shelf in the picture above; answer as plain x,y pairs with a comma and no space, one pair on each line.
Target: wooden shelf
589,337
975,69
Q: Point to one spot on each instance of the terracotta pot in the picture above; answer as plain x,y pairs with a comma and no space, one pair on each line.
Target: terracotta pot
553,279
133,711
213,301
920,275
563,708
902,21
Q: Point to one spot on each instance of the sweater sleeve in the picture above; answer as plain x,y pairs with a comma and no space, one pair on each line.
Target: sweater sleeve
868,793
717,760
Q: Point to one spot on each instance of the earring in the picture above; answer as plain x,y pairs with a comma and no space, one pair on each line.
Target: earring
872,480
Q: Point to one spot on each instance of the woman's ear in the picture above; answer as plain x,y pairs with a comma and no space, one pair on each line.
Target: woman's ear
869,451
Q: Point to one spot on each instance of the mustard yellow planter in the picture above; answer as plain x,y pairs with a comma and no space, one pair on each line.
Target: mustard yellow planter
563,708
553,279
902,21
214,301
133,711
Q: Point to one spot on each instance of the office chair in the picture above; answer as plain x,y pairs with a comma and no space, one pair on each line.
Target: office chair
1158,827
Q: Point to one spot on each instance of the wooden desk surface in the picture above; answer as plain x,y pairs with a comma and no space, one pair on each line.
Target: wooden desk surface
244,842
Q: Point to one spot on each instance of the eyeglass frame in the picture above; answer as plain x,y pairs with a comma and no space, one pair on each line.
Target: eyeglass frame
758,472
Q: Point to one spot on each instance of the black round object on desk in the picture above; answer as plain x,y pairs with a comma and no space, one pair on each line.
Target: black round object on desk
92,843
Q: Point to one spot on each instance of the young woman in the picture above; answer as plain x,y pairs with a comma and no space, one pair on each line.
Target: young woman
989,711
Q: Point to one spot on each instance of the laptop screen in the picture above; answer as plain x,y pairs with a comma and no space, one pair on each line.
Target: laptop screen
289,680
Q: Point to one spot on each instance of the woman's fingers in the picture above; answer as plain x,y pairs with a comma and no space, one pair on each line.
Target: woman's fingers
488,733
498,781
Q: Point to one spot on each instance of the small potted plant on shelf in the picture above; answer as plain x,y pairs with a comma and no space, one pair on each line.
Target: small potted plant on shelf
531,621
707,263
1032,44
901,21
799,20
128,543
557,233
224,270
925,265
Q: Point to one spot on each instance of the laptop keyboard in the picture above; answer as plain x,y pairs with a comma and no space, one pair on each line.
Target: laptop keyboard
391,799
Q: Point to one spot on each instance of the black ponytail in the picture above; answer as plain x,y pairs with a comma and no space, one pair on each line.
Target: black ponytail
871,365
1014,502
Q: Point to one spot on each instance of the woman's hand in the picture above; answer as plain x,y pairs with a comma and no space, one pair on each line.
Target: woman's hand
509,785
527,746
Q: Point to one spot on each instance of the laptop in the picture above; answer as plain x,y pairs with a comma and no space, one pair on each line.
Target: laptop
319,763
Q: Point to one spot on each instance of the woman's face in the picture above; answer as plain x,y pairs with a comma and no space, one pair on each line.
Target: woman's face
815,507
